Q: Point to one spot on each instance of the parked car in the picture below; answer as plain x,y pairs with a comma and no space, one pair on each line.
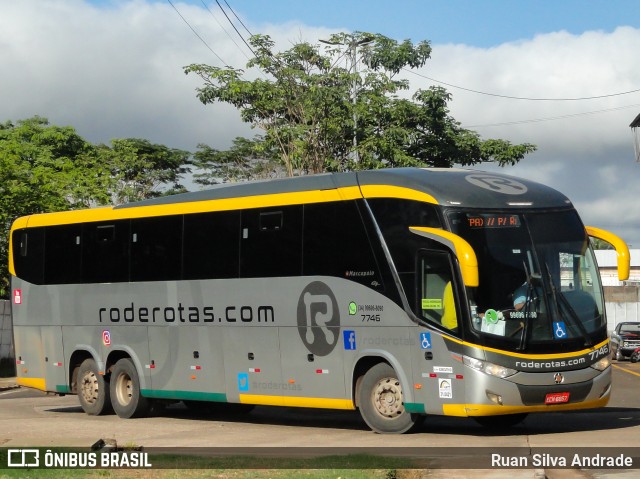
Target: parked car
625,339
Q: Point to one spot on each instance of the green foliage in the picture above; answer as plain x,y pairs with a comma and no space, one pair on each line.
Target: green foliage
47,168
245,160
139,168
321,114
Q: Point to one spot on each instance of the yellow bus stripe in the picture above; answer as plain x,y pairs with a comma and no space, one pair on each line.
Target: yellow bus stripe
387,191
36,383
529,356
226,204
321,403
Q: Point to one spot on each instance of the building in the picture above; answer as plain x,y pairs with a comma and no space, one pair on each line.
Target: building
608,264
622,297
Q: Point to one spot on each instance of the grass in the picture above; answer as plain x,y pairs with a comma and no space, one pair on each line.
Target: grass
202,473
357,466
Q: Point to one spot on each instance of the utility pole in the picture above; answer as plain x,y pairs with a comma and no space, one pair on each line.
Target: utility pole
353,47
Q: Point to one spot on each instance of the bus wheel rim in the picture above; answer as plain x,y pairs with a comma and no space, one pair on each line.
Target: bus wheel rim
387,398
124,388
89,387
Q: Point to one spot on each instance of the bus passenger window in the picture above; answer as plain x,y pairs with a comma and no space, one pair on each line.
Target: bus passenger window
437,301
105,252
156,248
271,242
211,245
28,254
63,254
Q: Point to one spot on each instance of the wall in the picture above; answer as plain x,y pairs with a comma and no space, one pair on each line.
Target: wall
622,304
7,359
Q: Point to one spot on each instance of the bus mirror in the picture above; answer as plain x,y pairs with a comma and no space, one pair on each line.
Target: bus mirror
624,259
459,246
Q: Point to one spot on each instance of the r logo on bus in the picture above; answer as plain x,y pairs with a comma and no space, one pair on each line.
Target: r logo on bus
497,184
318,318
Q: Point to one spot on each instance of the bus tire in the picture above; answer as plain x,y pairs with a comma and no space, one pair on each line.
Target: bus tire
125,391
92,389
382,401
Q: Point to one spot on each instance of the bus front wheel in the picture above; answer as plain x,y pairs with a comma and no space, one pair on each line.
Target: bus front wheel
125,391
92,389
382,401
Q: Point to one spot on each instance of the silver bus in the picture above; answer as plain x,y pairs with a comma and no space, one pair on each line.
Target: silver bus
401,293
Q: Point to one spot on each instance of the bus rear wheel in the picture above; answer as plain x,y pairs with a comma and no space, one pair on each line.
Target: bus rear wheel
382,401
92,389
125,391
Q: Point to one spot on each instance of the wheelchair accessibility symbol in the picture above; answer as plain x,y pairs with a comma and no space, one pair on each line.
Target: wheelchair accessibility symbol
425,340
559,330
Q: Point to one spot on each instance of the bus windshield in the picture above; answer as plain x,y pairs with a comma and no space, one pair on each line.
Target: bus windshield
539,285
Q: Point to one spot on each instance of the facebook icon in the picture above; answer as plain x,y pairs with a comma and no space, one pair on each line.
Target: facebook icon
349,340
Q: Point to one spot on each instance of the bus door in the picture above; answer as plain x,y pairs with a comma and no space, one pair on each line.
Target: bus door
438,372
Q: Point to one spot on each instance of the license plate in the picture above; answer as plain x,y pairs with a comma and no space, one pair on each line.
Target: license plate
556,398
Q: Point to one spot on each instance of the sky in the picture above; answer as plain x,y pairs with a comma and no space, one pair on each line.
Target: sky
563,75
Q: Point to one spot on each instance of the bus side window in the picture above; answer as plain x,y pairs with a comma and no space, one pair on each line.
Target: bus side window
156,248
435,286
28,254
211,245
105,253
271,242
336,243
63,254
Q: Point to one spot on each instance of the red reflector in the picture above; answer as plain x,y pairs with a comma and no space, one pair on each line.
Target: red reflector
556,398
433,375
459,376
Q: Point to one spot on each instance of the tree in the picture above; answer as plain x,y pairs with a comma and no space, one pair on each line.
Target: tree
47,168
141,169
245,160
40,167
322,116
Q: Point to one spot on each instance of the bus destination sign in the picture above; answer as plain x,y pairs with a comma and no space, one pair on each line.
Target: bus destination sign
494,221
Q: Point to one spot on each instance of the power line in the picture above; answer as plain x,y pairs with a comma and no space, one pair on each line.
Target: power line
561,117
196,33
234,27
224,29
235,15
521,97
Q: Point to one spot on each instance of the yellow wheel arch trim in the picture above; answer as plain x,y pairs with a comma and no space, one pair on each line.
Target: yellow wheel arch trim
461,248
624,259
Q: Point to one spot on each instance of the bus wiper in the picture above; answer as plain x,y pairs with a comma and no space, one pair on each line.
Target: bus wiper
531,278
572,315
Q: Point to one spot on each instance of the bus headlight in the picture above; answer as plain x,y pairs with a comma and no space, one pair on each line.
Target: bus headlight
488,368
603,364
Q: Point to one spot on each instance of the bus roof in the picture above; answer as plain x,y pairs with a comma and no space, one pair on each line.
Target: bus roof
445,186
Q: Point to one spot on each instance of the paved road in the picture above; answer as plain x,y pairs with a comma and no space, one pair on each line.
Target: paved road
27,418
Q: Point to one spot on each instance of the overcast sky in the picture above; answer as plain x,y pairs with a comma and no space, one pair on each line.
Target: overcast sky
113,69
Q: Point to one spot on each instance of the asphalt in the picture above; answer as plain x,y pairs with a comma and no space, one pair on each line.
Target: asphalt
7,383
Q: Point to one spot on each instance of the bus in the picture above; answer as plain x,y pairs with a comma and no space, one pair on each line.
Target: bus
401,293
